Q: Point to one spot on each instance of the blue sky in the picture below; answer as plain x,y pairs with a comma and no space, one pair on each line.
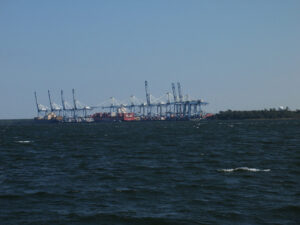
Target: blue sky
234,54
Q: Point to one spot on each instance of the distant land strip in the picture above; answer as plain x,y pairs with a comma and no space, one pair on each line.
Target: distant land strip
257,114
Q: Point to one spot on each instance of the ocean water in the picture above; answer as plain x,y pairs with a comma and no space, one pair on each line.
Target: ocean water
185,172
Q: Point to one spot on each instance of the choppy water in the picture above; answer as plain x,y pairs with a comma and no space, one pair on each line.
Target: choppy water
213,172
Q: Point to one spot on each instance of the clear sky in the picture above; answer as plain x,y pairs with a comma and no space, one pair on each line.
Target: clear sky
233,54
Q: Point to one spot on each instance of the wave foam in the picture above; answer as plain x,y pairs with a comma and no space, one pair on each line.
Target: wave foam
22,142
245,169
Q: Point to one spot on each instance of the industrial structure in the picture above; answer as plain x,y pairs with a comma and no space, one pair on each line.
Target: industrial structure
170,106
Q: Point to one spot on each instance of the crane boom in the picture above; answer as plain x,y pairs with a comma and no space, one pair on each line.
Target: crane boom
50,101
63,100
147,93
36,102
174,92
179,92
74,100
168,96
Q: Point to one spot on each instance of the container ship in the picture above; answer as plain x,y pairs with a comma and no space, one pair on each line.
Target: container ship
114,117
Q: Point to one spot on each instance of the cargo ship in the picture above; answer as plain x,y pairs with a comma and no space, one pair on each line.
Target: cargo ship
114,117
53,118
49,118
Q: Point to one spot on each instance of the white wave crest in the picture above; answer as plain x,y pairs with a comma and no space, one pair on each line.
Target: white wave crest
22,142
245,169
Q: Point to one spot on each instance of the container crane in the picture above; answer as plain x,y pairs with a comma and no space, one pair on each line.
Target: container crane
74,102
148,97
180,97
63,100
175,98
50,101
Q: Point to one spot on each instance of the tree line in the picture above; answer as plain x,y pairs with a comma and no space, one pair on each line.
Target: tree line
258,114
